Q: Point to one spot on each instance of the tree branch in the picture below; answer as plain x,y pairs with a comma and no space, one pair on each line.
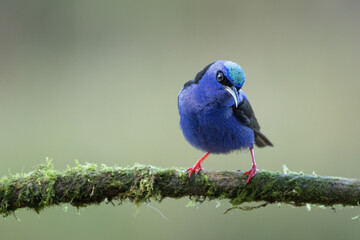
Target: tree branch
89,184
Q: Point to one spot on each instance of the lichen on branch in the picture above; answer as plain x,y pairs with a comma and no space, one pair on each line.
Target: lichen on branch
87,184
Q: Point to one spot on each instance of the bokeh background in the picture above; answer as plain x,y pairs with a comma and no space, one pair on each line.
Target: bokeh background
98,81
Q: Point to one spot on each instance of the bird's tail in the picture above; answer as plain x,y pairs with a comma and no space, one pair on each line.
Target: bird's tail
261,140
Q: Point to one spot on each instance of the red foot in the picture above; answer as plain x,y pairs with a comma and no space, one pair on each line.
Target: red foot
253,169
251,173
197,167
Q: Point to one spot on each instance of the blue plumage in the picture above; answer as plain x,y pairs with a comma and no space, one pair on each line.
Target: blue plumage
215,114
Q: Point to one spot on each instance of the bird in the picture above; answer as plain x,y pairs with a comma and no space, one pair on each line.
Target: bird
216,116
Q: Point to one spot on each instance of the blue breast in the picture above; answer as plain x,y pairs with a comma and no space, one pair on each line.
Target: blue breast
209,124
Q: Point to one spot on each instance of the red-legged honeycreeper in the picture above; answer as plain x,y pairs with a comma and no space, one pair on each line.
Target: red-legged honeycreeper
216,116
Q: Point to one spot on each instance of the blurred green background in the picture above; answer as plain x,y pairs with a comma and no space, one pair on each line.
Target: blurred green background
98,81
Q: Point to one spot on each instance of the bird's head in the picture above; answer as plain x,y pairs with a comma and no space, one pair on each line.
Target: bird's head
223,75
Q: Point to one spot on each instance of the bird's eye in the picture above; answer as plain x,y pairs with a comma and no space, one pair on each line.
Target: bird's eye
220,76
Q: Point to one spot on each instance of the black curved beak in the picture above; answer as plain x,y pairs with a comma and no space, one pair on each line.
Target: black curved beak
234,93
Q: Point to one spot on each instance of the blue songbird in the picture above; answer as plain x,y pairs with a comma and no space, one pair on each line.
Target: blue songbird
216,116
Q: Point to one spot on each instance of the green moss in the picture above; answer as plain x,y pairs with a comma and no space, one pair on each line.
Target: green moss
203,180
91,184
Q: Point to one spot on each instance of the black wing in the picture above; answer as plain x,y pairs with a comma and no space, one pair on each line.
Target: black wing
246,115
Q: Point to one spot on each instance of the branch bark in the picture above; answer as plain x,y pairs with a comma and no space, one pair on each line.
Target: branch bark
89,184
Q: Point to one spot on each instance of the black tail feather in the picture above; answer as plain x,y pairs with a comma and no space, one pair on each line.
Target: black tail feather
261,140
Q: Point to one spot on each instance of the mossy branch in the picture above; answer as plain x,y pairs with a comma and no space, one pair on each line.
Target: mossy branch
89,184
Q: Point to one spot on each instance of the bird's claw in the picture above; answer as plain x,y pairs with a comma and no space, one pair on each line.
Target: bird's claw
251,173
197,166
195,169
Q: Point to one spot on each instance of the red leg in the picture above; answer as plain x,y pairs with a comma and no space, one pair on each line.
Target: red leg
197,167
253,169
